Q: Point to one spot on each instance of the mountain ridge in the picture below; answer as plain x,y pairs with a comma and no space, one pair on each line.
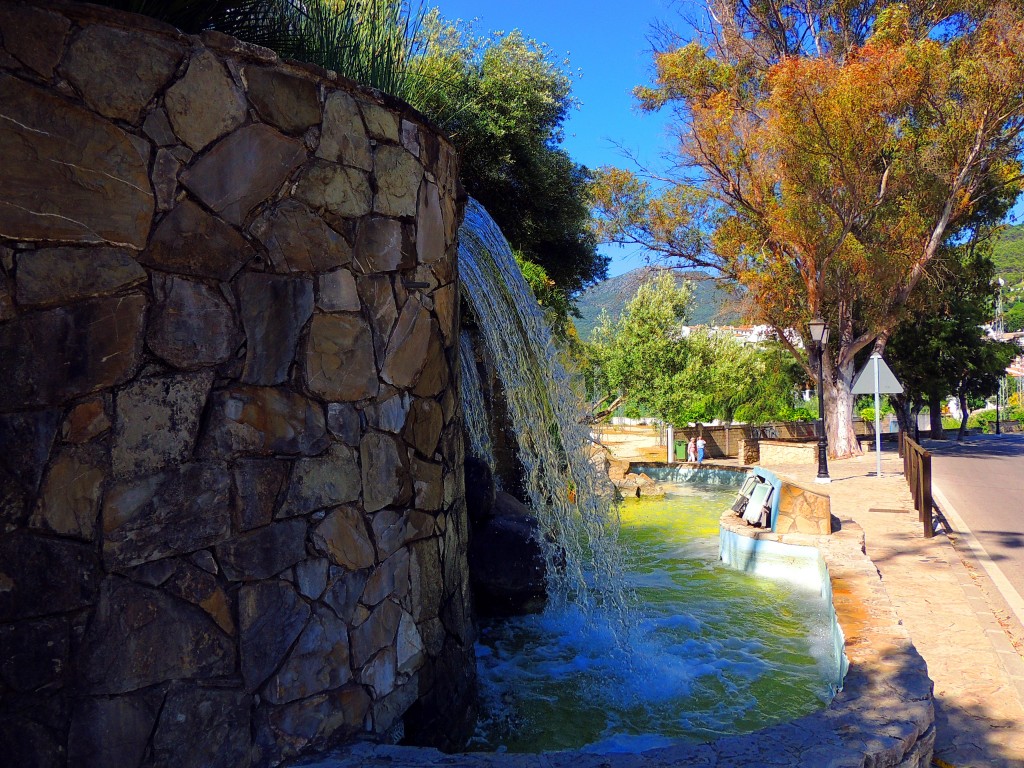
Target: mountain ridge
711,303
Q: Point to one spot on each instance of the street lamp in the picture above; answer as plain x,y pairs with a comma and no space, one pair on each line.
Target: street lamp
999,330
819,335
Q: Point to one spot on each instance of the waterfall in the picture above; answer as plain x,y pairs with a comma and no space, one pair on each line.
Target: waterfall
570,497
474,411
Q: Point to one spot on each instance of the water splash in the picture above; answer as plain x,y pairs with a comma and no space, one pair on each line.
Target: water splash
572,500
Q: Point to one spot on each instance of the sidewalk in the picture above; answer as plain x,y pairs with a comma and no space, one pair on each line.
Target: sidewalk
939,595
979,678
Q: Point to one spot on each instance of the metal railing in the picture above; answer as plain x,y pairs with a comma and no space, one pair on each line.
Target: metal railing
917,469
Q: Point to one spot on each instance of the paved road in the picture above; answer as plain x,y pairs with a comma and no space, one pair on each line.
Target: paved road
983,480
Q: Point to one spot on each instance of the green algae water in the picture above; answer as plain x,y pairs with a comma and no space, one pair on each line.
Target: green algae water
710,651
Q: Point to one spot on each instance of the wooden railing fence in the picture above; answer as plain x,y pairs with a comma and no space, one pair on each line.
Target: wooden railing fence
917,469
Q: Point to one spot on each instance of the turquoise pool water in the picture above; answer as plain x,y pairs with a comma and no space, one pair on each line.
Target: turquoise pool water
705,651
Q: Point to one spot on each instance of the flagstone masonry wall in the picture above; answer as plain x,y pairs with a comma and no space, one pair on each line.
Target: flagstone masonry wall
231,494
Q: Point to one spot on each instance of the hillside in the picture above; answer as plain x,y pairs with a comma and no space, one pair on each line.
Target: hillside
711,304
1008,254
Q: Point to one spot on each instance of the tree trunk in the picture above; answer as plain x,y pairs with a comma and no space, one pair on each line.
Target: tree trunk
935,416
964,416
901,405
839,402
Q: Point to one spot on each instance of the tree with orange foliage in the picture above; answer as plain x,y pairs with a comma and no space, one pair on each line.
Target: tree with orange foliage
826,153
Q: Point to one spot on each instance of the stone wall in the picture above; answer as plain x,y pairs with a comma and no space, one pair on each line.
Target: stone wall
749,452
785,452
230,448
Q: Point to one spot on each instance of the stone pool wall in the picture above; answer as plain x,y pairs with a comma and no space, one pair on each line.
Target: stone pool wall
230,446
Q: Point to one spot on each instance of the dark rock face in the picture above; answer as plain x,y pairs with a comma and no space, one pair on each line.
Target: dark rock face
94,345
44,576
243,170
60,275
264,421
115,77
190,241
271,615
141,636
274,309
182,510
507,566
231,517
288,102
192,325
69,175
203,728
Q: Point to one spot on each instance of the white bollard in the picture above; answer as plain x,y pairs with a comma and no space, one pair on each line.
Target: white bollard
671,444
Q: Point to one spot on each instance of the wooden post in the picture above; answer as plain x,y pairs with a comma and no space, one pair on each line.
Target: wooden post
926,495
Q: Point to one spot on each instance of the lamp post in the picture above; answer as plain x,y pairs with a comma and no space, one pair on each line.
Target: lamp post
999,330
819,335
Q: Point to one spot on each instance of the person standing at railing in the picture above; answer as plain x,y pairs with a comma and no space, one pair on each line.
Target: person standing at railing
701,445
691,450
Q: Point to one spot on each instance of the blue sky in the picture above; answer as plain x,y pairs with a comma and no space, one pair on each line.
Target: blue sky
607,41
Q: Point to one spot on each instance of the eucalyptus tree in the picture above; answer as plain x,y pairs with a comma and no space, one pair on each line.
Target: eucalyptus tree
826,154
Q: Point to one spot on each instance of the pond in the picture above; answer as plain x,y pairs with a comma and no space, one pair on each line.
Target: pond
705,650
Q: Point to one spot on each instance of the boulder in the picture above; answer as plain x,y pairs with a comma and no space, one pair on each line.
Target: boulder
263,421
182,510
480,490
297,240
205,104
338,360
192,242
344,138
398,175
291,103
156,420
507,564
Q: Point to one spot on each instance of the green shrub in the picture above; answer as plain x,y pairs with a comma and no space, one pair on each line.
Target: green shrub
370,41
985,420
948,422
803,414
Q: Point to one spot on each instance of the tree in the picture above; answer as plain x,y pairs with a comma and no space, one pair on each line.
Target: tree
943,349
827,152
682,378
642,354
503,99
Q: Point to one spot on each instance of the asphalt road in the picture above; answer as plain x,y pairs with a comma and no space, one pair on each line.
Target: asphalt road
983,480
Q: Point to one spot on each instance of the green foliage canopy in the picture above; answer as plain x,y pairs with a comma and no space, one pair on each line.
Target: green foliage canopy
696,378
942,349
503,99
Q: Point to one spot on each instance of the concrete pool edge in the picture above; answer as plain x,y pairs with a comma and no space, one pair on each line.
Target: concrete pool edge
883,716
